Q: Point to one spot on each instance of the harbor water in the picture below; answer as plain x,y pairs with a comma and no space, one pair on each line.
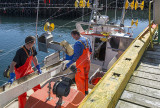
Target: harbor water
13,31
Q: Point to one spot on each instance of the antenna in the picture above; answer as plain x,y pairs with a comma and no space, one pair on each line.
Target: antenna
123,14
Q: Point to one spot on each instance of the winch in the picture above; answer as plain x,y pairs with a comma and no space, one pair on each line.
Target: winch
61,88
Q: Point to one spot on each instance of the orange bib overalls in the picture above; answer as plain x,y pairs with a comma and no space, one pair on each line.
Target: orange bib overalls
23,71
83,67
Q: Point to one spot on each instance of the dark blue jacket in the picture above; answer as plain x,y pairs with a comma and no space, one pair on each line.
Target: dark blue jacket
78,50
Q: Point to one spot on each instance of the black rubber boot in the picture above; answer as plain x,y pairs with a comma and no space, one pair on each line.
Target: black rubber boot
86,92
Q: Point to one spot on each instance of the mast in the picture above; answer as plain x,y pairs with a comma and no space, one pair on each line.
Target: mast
123,14
93,10
37,18
116,11
106,7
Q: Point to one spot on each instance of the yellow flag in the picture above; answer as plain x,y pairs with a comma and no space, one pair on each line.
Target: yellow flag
88,4
142,5
134,22
76,4
84,4
81,3
136,5
46,26
127,4
51,27
132,5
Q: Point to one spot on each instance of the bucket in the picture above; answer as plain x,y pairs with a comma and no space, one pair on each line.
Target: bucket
94,79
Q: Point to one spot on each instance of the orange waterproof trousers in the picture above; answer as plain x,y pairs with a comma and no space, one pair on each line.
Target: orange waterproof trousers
23,71
83,67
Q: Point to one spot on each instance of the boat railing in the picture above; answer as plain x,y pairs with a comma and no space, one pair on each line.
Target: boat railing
81,30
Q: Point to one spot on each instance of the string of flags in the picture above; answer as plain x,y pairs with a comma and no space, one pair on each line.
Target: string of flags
134,5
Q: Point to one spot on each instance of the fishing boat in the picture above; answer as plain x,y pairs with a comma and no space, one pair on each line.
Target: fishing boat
108,41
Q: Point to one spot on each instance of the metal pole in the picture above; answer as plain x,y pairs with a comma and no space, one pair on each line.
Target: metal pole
150,24
49,92
37,19
116,11
106,7
93,10
83,14
123,14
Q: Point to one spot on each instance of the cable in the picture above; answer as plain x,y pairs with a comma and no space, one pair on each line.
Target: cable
73,20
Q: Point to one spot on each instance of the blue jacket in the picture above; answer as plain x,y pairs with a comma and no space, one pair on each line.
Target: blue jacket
78,50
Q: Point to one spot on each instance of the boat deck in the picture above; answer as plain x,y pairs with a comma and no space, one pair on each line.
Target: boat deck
143,88
14,103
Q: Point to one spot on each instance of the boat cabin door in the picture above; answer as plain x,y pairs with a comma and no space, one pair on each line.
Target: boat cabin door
98,51
101,54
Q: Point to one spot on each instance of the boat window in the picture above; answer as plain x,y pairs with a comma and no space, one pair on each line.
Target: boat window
99,50
114,42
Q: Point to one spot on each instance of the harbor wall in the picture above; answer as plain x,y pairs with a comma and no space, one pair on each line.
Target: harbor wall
58,8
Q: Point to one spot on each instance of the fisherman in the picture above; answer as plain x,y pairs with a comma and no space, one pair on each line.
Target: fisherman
82,51
22,64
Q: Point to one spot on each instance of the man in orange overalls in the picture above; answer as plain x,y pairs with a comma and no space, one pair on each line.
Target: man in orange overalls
82,51
22,65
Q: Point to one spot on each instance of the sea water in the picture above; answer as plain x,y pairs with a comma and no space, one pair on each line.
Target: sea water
13,31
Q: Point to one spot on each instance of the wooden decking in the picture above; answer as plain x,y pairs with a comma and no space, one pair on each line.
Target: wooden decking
143,89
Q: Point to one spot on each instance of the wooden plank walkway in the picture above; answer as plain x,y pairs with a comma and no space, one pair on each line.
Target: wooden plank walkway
143,89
